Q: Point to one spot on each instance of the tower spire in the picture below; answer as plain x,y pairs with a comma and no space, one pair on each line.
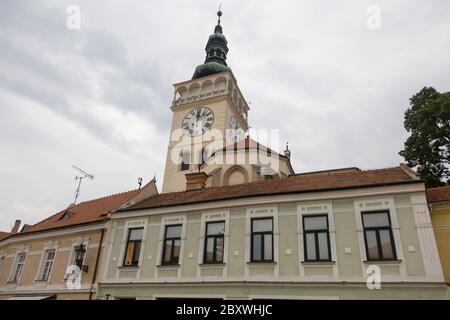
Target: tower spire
216,52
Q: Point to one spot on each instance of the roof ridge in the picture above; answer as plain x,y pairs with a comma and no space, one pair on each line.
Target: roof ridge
104,197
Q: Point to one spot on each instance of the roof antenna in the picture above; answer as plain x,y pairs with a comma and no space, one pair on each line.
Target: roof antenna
80,178
140,182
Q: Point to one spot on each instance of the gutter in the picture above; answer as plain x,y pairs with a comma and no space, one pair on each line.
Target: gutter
94,278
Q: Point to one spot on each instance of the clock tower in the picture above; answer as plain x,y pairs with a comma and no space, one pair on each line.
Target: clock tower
209,112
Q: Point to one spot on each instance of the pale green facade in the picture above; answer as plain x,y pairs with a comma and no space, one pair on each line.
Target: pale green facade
415,275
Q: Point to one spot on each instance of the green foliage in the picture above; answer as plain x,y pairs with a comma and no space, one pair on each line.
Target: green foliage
428,146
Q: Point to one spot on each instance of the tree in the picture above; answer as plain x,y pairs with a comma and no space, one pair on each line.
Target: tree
428,146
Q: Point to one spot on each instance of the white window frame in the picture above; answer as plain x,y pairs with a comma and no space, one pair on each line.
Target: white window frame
261,212
212,217
167,221
310,209
2,259
51,263
379,204
133,224
13,269
50,245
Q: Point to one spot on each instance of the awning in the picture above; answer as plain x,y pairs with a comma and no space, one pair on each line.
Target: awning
31,297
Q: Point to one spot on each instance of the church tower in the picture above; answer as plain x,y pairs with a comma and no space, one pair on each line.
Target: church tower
209,107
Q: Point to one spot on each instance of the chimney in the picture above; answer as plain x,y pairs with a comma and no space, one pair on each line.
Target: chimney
196,181
15,229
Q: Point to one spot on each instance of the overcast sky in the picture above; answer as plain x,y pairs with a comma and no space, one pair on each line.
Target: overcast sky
99,97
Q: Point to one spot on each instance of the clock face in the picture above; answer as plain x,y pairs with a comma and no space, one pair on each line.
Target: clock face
234,131
196,122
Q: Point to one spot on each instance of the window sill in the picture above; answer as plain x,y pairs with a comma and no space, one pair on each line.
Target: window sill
212,264
129,267
318,263
168,266
383,261
256,263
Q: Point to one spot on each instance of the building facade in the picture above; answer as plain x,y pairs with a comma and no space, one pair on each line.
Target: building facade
235,222
62,256
439,202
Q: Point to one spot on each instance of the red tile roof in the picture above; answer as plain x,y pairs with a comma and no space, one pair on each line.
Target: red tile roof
249,144
306,182
3,234
438,194
84,212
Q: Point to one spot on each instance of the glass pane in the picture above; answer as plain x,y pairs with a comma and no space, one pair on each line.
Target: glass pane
167,250
129,254
372,249
50,255
315,223
136,234
215,228
209,250
173,232
136,253
176,251
21,258
267,247
376,219
386,244
310,246
219,249
261,225
257,247
323,246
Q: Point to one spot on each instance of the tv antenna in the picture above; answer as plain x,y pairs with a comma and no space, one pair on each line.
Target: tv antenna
80,178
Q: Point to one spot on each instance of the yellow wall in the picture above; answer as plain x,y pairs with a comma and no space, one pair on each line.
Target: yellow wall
35,249
440,217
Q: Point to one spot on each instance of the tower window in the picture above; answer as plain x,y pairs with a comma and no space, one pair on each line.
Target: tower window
185,161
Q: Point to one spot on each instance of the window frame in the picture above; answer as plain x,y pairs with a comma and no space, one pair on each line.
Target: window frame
215,237
377,235
133,264
185,166
13,278
172,239
316,238
262,233
45,260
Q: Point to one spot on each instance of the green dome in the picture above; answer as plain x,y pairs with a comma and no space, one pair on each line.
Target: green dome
216,54
209,68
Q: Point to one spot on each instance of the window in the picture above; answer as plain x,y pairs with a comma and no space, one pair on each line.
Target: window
185,161
133,249
316,238
378,236
2,261
18,268
171,246
203,156
47,265
262,239
214,242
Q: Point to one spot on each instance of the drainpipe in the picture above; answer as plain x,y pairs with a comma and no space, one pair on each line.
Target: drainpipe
94,278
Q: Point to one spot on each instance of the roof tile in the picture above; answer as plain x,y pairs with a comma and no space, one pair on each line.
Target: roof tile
306,182
438,194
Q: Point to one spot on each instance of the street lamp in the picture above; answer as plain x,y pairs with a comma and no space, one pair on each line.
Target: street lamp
80,251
